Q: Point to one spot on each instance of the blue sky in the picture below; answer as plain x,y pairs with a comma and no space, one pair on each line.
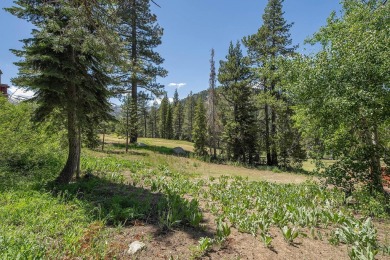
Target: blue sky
191,29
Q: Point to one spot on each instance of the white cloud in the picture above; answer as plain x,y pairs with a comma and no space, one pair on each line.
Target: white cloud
177,85
18,93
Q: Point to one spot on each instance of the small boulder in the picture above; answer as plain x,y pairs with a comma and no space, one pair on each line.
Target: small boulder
135,247
141,145
179,151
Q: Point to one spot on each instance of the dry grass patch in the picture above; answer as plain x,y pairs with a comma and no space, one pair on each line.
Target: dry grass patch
191,166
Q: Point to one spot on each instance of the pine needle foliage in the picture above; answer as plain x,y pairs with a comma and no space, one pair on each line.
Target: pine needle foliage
65,63
239,136
199,132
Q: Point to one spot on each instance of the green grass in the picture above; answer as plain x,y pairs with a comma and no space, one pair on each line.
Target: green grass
36,225
159,152
309,165
39,220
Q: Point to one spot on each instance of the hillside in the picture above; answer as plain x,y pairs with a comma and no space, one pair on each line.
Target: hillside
180,207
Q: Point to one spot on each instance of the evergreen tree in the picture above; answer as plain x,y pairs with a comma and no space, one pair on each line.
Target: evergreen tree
164,107
271,42
189,109
212,114
65,63
169,122
153,120
239,133
288,140
143,114
199,133
124,128
177,117
175,98
141,33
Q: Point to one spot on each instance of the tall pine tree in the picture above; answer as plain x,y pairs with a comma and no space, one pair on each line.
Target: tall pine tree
163,115
143,100
124,127
213,125
188,121
239,134
153,120
141,33
199,132
169,122
65,64
177,117
271,42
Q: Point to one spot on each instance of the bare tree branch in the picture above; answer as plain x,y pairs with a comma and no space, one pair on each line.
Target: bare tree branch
155,3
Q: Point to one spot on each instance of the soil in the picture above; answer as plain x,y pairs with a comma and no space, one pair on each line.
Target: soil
181,242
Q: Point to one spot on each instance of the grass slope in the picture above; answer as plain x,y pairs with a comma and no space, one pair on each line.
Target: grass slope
148,192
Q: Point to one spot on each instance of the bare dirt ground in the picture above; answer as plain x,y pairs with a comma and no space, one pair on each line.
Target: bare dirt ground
180,244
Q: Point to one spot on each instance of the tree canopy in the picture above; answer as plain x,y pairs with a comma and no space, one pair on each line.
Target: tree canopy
66,64
342,93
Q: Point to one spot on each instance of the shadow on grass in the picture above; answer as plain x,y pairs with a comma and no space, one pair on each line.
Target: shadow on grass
127,205
130,152
287,170
156,149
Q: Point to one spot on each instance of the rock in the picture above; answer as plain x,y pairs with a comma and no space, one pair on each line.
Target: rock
141,145
135,247
179,151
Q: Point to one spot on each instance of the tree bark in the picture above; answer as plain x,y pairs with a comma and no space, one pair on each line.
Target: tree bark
73,140
375,164
274,154
145,126
127,128
134,96
267,141
104,134
78,170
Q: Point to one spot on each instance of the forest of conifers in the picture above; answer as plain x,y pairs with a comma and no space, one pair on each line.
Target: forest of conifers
267,106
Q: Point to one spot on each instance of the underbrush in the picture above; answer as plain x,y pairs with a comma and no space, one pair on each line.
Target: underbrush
374,205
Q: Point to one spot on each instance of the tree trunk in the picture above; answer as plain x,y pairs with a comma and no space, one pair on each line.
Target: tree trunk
78,171
375,164
371,140
73,140
145,127
274,154
127,129
267,141
134,116
134,96
104,135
